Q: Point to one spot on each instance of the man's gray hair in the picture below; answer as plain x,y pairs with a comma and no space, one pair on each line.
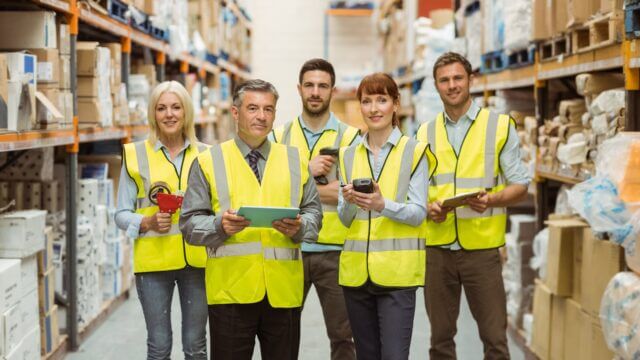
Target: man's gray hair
253,85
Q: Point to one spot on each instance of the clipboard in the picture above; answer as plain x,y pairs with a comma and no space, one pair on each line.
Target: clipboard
459,200
262,216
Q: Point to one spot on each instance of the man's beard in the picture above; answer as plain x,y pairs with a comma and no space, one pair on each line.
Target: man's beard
321,110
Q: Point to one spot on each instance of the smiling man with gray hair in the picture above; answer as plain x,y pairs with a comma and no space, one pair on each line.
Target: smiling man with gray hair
254,275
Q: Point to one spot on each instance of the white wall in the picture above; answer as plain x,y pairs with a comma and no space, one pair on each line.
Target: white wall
286,33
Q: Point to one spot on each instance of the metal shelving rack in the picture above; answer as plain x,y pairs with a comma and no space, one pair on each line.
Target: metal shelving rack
73,137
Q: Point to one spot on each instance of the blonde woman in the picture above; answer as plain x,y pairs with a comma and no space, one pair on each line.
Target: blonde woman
162,259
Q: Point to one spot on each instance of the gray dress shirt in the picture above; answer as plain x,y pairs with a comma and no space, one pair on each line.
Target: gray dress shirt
412,212
201,226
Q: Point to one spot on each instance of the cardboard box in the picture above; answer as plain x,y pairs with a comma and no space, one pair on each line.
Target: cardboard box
12,328
542,312
577,270
36,165
4,92
29,313
28,30
28,347
21,95
49,331
607,6
562,235
88,86
93,110
64,39
45,257
28,275
93,60
46,291
32,195
65,72
580,11
10,285
48,65
50,196
66,106
558,16
601,260
558,324
22,233
48,113
593,345
572,329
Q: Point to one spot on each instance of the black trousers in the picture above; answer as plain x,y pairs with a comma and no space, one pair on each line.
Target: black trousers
381,321
234,327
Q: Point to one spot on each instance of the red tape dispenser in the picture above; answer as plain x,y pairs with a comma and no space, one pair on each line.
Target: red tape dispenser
169,203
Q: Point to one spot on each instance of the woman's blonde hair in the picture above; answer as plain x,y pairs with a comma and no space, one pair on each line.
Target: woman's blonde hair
174,87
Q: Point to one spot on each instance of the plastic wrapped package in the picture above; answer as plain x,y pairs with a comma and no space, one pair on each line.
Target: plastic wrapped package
573,153
620,315
474,39
179,29
562,202
493,24
459,46
427,101
539,260
435,42
609,101
517,24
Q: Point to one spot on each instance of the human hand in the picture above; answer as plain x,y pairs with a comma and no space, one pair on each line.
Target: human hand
159,222
480,203
232,223
289,227
372,201
437,212
321,165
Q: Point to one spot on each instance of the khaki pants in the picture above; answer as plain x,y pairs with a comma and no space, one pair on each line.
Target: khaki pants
321,270
480,273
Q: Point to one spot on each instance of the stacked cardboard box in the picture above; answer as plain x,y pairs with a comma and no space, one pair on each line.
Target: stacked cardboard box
118,89
566,303
95,105
395,40
49,332
21,238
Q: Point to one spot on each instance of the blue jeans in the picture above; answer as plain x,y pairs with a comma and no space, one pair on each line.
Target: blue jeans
155,290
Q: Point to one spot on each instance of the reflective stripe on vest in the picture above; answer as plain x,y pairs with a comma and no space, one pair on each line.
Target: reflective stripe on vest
256,261
333,232
473,230
151,170
377,248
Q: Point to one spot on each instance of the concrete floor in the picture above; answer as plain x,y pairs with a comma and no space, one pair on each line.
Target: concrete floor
123,335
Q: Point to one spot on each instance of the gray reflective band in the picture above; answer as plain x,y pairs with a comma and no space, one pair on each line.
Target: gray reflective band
286,135
468,213
220,173
431,134
341,129
416,244
174,230
201,147
143,165
252,248
443,179
296,176
282,254
406,165
349,155
490,150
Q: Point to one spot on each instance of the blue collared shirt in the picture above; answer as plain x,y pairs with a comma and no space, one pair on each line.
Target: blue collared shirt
511,163
126,217
312,138
412,212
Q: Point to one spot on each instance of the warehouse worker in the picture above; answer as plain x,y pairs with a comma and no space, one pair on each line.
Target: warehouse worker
316,129
161,258
382,262
254,276
477,151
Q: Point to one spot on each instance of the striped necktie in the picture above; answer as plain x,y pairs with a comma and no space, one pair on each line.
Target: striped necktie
253,157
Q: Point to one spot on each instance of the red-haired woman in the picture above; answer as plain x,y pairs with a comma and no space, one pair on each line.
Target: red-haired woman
383,203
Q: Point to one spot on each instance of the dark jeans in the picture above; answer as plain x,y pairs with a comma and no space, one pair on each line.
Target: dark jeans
321,271
234,327
381,320
155,290
480,273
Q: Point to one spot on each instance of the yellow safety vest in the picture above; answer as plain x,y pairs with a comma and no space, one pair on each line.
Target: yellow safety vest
388,252
475,168
153,172
332,232
255,261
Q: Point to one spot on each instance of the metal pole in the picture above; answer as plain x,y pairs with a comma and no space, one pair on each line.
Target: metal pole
71,189
160,66
126,62
542,186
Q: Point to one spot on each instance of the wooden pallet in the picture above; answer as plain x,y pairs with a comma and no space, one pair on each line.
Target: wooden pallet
553,48
602,31
522,57
632,20
494,61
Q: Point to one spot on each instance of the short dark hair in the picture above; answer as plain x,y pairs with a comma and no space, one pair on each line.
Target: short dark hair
380,84
253,85
318,64
449,58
